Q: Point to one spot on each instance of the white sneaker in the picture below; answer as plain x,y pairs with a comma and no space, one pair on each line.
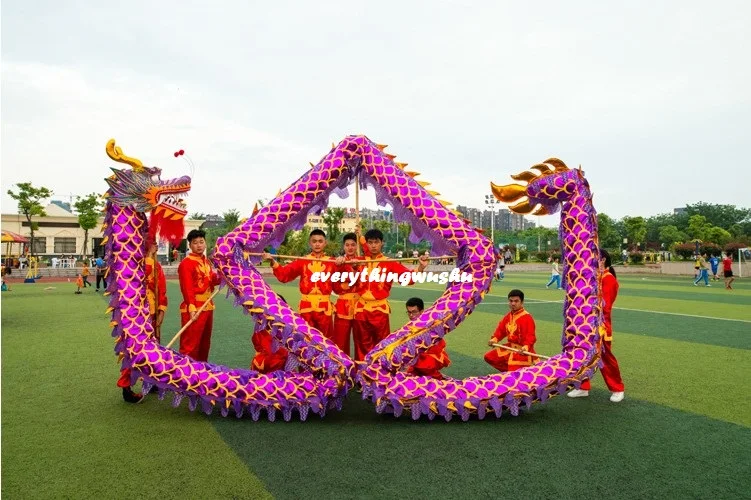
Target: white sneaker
617,397
578,393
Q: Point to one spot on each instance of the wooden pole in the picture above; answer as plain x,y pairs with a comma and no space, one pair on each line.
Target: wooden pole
190,322
357,210
526,353
406,259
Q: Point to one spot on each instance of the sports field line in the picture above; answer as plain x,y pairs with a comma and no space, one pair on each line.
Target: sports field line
648,311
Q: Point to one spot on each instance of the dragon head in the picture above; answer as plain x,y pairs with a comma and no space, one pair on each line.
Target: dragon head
546,189
143,190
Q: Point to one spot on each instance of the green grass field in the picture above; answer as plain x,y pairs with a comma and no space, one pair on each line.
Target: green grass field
683,431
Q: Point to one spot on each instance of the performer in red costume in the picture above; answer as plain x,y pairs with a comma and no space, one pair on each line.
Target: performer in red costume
610,370
267,360
348,297
519,326
197,282
315,302
156,294
435,358
156,290
372,311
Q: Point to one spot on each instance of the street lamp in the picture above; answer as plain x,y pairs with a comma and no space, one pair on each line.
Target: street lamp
491,202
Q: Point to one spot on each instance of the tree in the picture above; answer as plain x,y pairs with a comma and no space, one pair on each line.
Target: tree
608,234
296,243
231,220
718,235
30,205
198,216
670,235
698,227
723,216
636,229
333,219
89,209
655,225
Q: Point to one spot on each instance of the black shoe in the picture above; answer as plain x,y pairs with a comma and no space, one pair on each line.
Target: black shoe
131,397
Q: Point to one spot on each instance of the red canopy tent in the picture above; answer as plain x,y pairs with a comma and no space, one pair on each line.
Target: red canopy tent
10,238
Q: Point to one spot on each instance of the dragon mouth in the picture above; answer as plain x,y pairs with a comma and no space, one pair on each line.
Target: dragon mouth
175,201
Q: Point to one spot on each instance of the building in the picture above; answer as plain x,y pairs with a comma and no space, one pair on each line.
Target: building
59,232
346,226
679,211
211,221
473,215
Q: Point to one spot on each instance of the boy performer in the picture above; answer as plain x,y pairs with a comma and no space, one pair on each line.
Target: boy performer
315,303
519,326
266,359
348,297
156,296
429,363
156,290
372,311
197,282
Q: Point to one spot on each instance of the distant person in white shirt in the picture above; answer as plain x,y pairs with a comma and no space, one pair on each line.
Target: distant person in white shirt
555,275
499,272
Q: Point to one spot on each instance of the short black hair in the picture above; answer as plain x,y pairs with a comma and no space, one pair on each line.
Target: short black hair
196,233
317,232
516,293
374,234
349,236
416,302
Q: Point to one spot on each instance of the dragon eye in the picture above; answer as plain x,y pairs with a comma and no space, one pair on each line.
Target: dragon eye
155,178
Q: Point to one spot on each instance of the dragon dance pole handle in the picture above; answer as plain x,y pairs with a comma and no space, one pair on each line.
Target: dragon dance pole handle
329,259
526,353
190,322
357,209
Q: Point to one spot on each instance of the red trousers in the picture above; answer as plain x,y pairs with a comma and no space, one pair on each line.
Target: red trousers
501,361
430,363
342,329
369,329
196,340
320,321
610,371
124,380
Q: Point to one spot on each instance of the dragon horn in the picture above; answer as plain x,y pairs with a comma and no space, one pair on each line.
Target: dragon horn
525,176
116,154
557,164
544,169
509,192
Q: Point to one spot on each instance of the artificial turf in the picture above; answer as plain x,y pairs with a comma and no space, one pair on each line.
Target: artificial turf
683,431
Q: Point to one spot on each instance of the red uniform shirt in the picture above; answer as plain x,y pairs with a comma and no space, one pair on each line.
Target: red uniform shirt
609,293
519,327
156,286
197,281
315,295
374,294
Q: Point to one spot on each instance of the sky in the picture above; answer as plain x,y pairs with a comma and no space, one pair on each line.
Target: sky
651,98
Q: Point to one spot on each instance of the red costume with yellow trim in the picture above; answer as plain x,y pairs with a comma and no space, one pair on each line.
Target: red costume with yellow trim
197,282
266,359
344,307
156,295
315,302
373,309
430,363
519,327
610,370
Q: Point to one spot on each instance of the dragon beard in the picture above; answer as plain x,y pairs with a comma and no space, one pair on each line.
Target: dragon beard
162,228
